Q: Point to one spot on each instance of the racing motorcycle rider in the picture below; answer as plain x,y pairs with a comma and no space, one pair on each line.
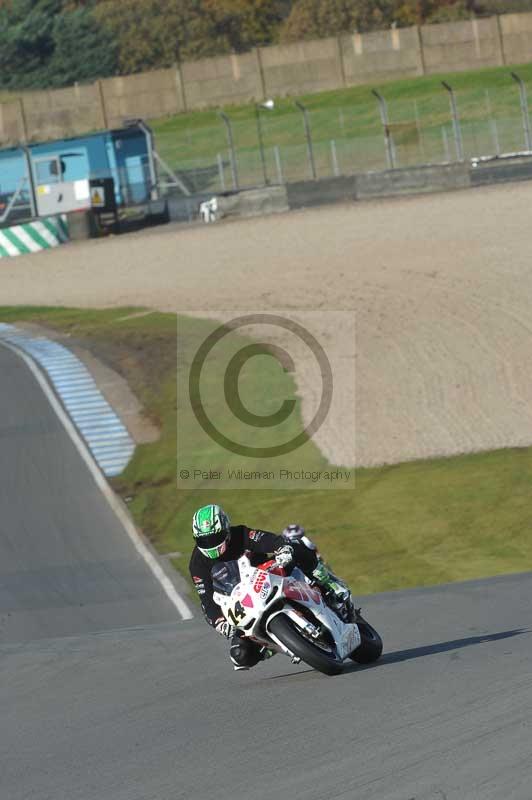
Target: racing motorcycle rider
216,540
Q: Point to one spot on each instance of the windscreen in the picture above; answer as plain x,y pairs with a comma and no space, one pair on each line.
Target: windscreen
225,576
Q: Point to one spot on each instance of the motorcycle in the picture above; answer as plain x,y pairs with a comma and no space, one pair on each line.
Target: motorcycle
287,614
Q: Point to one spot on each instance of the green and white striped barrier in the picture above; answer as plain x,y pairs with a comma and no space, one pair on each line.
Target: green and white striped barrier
30,237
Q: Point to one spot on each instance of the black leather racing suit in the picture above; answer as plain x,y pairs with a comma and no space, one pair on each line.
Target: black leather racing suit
243,651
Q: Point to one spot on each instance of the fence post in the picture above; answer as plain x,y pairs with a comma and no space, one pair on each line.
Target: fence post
456,122
445,144
334,157
419,133
388,141
495,134
524,109
493,123
278,164
260,139
310,150
220,161
341,119
234,172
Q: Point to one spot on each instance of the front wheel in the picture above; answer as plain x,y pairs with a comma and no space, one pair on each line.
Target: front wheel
370,647
288,633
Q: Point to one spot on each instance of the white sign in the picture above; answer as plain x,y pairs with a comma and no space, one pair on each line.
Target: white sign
81,189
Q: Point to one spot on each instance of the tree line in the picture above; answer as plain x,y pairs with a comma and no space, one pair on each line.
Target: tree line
52,43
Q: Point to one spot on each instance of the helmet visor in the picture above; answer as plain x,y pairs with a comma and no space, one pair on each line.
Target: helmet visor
213,545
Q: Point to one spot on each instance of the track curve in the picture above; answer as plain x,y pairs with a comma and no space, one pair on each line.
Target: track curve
66,565
158,714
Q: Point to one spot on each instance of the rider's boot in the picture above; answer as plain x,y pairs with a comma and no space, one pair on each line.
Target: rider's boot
264,654
245,654
335,592
239,653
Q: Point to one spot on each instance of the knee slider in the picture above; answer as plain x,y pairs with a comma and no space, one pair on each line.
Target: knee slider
238,654
244,653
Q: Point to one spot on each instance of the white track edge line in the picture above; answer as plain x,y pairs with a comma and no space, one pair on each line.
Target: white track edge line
104,487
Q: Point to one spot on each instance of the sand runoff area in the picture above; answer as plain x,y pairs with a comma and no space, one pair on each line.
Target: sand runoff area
440,288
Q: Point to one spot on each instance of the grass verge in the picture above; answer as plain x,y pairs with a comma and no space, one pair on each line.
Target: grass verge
412,524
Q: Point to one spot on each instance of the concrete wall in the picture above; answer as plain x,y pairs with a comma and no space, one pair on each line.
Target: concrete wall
304,194
412,180
222,80
298,68
53,114
254,202
457,46
147,95
302,67
11,123
516,31
381,55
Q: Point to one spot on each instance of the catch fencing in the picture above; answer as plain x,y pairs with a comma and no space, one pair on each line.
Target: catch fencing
286,142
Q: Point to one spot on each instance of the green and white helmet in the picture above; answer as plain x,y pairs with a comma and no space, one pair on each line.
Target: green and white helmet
212,530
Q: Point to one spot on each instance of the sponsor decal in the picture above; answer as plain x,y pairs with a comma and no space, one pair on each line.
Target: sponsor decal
260,581
296,590
264,592
198,583
256,536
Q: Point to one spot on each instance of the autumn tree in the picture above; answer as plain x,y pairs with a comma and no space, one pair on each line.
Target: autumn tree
156,33
310,19
239,25
450,12
420,12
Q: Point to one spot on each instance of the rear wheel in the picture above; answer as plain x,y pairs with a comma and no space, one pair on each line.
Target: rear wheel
370,647
308,651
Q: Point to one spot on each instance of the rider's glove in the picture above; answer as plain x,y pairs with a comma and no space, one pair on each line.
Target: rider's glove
284,556
224,628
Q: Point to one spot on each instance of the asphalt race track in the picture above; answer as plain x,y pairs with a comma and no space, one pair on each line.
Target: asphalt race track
67,566
99,703
157,713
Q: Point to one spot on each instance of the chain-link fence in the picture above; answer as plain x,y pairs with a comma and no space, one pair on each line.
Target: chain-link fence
286,142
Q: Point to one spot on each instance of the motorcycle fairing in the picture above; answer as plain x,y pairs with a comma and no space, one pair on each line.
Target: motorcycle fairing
247,603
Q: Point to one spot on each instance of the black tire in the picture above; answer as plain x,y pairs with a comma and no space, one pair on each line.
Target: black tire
370,647
284,629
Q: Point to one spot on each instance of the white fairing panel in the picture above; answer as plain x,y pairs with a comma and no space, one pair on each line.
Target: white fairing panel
258,589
